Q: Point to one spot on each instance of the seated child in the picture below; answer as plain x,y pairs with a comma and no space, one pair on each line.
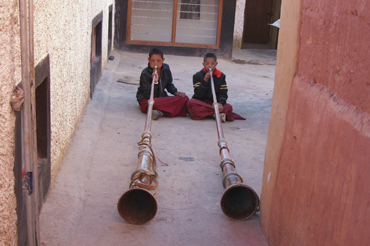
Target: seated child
163,104
200,106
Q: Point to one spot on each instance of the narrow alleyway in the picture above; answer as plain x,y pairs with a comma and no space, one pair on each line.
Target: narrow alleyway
81,206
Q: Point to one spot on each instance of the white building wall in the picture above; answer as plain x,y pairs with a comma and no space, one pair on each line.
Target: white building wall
9,76
62,31
68,43
239,24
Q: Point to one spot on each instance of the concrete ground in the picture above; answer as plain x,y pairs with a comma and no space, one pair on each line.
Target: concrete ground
81,205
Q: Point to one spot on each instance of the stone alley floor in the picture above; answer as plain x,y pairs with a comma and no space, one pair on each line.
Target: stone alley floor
81,207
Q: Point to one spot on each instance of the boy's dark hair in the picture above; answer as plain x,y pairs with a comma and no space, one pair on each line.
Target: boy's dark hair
210,55
155,52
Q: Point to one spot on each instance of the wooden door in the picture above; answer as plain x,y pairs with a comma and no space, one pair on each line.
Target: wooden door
257,16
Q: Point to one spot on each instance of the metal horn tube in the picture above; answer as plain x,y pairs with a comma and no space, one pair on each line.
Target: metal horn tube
239,201
138,205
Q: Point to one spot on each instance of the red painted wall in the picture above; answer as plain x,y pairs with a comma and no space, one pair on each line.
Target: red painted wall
322,191
334,49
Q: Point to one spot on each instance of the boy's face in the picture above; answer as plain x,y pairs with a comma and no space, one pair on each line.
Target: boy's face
210,63
155,60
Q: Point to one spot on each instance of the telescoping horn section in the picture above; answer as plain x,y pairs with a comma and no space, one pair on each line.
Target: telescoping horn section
138,205
239,201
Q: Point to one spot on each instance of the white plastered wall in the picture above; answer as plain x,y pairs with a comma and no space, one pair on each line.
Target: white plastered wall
62,31
239,24
68,43
9,76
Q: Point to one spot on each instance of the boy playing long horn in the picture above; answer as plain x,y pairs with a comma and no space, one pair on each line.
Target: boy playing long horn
200,106
164,105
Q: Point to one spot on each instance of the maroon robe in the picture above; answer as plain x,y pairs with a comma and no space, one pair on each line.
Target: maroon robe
171,106
199,110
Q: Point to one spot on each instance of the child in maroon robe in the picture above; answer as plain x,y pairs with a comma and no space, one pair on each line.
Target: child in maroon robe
200,106
163,104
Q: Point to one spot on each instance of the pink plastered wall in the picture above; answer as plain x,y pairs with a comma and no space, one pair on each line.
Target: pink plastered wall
320,193
334,48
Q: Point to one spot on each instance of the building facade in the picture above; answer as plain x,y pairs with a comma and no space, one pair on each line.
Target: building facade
72,41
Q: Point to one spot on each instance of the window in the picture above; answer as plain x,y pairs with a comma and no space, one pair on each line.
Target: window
175,22
190,9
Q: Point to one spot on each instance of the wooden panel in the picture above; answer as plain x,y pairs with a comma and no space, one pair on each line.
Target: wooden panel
219,23
257,16
174,18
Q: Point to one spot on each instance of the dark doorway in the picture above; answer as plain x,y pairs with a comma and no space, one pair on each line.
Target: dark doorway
257,17
43,138
42,98
110,31
96,52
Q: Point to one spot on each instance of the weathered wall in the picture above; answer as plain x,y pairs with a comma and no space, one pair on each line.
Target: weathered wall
62,30
68,43
334,48
316,187
9,53
239,24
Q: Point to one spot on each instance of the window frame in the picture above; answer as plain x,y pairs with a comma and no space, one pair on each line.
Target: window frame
174,24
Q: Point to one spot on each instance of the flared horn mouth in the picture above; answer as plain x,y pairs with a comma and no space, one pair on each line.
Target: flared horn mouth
137,206
239,201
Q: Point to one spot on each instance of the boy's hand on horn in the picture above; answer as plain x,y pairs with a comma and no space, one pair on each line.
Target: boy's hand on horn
179,93
220,107
208,75
156,77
